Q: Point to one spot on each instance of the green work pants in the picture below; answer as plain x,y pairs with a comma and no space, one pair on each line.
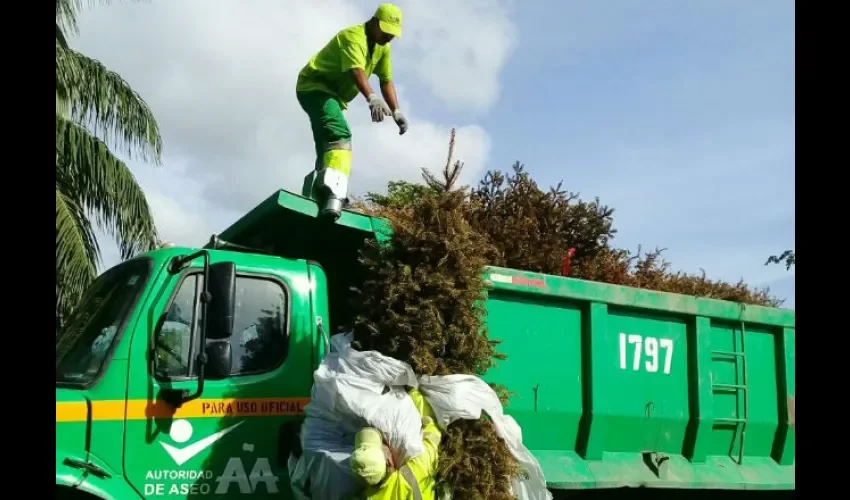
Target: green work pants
331,134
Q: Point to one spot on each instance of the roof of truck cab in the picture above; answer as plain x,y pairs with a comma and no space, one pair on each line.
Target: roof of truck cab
283,204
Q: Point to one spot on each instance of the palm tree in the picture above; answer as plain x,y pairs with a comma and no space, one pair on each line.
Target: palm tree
95,106
788,257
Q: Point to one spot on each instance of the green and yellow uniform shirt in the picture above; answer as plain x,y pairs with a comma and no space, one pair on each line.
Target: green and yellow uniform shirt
329,71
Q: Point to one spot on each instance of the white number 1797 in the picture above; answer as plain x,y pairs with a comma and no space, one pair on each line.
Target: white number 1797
645,345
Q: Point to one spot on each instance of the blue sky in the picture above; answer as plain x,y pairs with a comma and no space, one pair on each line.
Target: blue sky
679,114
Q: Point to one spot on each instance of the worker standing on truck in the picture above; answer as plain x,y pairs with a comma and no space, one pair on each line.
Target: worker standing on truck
332,79
374,461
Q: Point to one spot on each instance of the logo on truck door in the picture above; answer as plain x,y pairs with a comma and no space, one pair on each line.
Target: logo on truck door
181,431
183,482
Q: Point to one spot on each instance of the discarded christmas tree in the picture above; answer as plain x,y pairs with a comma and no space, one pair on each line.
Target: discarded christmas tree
534,229
423,303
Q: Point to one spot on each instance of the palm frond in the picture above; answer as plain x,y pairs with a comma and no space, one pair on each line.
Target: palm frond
77,251
66,17
67,10
102,184
61,105
99,99
60,37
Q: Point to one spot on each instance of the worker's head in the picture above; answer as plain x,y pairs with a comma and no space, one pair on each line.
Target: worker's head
385,24
372,459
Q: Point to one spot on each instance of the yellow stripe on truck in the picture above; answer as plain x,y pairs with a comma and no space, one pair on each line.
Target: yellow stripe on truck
141,409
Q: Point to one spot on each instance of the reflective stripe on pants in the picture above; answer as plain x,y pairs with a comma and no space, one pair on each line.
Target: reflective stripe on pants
337,156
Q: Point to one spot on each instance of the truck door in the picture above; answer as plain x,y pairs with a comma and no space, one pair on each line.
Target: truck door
224,444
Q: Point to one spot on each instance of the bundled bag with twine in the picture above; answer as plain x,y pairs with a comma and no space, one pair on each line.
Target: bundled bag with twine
354,389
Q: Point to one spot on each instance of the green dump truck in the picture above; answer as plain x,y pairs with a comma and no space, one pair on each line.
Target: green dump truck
613,387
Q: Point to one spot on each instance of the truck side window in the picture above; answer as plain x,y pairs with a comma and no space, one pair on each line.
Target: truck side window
259,339
260,336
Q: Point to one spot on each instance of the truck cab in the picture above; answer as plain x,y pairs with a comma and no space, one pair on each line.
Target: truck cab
142,411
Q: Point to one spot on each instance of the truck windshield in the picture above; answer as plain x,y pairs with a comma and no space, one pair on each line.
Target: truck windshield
86,341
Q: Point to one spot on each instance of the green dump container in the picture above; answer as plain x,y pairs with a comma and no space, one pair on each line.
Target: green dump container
615,386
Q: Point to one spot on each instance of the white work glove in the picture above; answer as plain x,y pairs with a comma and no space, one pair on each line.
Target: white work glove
401,121
378,108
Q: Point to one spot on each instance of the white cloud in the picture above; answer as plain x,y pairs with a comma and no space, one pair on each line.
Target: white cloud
176,220
458,49
220,77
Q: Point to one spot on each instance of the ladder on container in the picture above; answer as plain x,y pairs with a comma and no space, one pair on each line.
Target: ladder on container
740,358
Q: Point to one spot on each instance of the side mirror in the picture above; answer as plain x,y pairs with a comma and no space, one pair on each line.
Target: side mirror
219,359
218,304
221,308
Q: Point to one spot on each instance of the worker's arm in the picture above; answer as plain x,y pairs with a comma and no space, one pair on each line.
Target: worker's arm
421,404
377,107
384,72
426,463
388,91
352,59
431,433
362,82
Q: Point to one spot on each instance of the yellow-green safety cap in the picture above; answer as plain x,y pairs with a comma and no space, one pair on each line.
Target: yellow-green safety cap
389,19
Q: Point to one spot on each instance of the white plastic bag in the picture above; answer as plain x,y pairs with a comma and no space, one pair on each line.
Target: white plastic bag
353,389
357,389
